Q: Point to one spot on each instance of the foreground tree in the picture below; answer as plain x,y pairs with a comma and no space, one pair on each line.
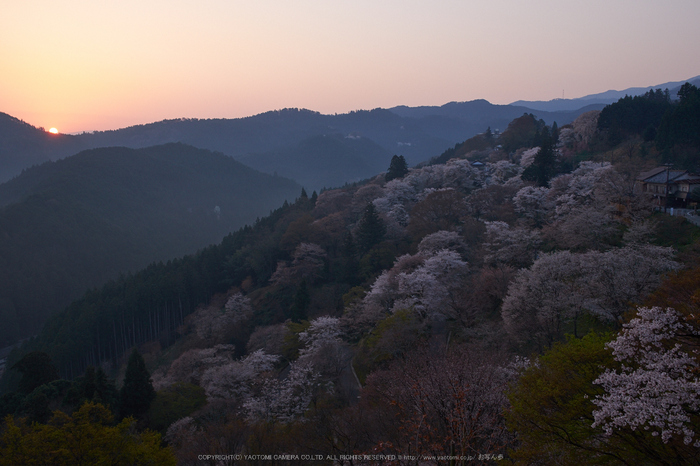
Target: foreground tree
656,387
88,437
552,405
447,402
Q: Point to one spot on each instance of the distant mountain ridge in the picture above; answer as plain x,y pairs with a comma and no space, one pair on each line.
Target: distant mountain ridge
73,224
283,141
417,134
603,98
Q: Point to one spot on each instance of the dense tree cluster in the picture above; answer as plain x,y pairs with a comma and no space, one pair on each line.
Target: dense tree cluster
639,115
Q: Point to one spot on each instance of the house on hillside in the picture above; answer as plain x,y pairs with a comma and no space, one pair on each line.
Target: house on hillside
664,182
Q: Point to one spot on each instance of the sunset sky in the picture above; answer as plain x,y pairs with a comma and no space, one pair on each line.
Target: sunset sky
93,65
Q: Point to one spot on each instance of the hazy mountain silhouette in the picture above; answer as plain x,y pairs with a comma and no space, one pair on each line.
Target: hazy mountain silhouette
73,224
416,133
336,159
471,116
278,137
22,145
603,98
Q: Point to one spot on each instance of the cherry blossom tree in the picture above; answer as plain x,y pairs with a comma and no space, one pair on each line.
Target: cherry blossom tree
323,348
308,261
442,239
627,275
233,381
212,323
424,283
657,386
584,227
591,203
547,299
585,128
513,246
283,400
364,195
269,338
331,201
544,297
528,156
191,364
534,203
500,172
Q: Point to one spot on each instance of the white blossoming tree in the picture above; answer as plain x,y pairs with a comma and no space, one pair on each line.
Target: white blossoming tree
546,300
283,400
657,386
324,349
233,381
212,322
307,264
423,282
513,246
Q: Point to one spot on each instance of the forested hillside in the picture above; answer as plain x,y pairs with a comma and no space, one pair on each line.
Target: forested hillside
70,225
518,298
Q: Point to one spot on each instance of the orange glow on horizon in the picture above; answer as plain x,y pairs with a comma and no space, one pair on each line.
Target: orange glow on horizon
238,59
53,131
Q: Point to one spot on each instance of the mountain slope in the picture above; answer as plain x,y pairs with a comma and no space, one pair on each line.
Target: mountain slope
73,224
22,145
337,159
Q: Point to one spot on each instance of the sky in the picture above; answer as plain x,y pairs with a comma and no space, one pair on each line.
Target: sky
95,65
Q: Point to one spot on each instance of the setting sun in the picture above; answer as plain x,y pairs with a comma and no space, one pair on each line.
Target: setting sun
53,131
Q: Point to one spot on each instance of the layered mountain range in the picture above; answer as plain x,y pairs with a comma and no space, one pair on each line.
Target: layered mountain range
314,149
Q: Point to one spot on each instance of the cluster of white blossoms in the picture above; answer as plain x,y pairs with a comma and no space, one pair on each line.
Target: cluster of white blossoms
657,386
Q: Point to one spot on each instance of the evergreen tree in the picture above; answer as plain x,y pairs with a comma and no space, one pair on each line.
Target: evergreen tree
371,230
300,307
398,168
680,126
137,393
544,165
37,369
93,385
555,133
488,135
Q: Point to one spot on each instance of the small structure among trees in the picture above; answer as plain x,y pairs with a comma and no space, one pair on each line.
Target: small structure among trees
669,187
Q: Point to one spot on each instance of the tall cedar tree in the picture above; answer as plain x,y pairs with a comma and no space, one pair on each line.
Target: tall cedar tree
372,229
137,393
544,165
398,168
